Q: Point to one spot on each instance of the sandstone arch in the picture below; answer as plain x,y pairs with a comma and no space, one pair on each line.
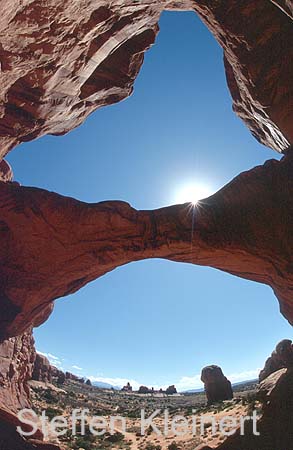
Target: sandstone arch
89,56
62,60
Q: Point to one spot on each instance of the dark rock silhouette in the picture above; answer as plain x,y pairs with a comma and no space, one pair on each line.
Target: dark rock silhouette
217,386
171,390
127,388
144,390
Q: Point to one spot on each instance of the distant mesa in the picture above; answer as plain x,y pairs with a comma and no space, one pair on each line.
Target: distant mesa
217,387
171,390
144,390
281,358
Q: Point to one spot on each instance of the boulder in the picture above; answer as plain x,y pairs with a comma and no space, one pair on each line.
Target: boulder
217,387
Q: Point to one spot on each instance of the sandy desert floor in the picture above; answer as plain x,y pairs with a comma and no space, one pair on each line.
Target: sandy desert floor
199,425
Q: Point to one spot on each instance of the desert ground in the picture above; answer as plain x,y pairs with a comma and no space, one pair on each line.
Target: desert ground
57,401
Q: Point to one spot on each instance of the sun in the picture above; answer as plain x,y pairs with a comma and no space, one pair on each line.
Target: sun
193,193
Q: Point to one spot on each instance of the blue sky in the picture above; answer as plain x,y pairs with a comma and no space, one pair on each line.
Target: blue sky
157,322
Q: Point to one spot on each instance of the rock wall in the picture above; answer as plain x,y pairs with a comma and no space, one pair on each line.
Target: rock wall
17,356
42,370
10,439
17,364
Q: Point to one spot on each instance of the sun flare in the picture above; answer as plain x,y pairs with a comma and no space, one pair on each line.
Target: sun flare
193,193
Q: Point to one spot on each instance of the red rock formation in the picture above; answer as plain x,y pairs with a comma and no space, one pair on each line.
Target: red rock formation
10,439
62,60
144,390
171,390
72,377
17,357
217,386
58,375
276,424
244,229
282,357
127,388
42,369
6,173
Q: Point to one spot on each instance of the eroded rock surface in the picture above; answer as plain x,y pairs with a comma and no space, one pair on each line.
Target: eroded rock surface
17,356
282,357
62,60
217,387
6,173
244,229
72,377
275,426
42,369
10,439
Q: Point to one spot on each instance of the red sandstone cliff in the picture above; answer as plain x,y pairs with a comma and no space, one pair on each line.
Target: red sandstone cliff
17,359
17,356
